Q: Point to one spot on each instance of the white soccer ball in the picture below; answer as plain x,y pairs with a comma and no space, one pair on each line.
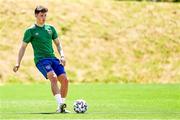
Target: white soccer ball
80,106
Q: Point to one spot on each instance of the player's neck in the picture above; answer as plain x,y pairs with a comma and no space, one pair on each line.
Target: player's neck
40,24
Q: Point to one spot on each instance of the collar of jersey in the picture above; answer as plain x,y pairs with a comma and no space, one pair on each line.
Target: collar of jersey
40,26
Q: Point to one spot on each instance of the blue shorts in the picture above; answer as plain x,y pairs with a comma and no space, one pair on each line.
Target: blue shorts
50,64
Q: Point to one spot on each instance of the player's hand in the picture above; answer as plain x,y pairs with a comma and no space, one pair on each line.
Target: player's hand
63,61
16,67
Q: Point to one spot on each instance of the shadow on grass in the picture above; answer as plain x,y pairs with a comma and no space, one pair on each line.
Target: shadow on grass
130,112
42,113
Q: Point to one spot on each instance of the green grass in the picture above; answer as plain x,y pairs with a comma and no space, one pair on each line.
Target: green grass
105,101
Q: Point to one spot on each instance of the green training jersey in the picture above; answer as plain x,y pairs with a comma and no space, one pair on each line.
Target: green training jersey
41,40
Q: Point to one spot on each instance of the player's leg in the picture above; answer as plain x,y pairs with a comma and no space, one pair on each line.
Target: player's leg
60,72
64,86
53,79
61,76
56,91
63,90
44,66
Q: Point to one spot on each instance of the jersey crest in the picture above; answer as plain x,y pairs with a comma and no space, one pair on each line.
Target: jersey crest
49,31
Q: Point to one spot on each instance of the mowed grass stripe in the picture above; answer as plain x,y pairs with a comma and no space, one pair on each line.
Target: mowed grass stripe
105,101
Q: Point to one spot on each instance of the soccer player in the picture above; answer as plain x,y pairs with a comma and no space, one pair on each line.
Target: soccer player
41,35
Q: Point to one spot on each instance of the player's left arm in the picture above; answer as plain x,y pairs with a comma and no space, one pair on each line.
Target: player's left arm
60,51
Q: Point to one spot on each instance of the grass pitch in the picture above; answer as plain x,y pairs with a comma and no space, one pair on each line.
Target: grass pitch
105,101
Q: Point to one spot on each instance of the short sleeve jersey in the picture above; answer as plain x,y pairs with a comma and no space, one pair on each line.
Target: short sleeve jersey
41,40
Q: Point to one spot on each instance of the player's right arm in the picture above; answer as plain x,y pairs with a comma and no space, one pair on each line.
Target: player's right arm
20,56
26,39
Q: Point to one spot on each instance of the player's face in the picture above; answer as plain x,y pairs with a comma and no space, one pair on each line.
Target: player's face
41,18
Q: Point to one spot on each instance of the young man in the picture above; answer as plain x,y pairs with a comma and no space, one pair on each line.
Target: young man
41,35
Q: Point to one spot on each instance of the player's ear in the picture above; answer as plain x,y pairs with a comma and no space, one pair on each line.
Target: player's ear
35,15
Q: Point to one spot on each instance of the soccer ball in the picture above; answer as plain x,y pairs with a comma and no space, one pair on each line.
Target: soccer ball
80,106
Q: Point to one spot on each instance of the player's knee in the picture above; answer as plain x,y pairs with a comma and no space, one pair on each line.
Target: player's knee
53,80
64,79
52,77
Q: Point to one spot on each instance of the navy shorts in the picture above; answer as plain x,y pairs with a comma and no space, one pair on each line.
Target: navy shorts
50,64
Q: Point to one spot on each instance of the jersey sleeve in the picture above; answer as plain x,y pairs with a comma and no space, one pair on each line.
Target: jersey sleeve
54,33
27,36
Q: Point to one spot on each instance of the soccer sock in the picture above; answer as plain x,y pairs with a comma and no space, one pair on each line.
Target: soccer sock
63,100
58,99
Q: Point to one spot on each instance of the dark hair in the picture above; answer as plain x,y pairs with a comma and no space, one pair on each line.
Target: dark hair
39,9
